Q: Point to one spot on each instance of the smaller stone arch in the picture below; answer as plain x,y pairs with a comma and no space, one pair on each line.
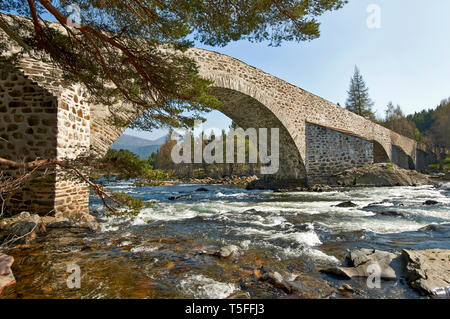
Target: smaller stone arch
401,158
379,153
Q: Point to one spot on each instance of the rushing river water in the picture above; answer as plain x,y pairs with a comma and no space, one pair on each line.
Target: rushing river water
161,252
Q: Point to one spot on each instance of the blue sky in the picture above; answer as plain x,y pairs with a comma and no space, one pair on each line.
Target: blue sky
406,60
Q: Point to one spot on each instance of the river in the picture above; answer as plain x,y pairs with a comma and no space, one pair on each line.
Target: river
161,253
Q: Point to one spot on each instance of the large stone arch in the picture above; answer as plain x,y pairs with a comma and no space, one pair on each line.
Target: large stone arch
247,112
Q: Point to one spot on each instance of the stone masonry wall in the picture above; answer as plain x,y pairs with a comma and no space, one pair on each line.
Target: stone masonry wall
44,117
27,131
330,152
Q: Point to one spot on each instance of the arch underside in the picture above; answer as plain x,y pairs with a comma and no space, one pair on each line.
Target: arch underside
379,153
397,156
247,112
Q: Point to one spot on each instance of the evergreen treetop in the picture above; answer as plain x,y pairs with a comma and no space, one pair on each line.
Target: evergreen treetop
358,100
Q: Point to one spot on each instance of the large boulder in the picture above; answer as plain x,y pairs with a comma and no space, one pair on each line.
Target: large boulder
76,220
428,270
25,226
6,276
378,175
22,228
346,204
365,262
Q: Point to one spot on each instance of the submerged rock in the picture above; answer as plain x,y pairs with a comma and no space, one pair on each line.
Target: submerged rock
430,202
348,291
320,188
445,227
346,204
391,213
179,196
382,210
303,285
277,185
6,276
428,270
276,280
365,262
230,251
202,189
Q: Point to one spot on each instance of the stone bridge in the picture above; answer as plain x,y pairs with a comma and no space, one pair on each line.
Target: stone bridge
42,116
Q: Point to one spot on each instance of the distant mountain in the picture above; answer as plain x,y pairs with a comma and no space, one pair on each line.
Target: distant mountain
146,151
139,146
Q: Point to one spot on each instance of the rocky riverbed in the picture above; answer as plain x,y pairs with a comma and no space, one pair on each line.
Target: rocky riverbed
227,242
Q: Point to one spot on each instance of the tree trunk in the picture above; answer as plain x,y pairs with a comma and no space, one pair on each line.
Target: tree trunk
442,155
230,170
251,169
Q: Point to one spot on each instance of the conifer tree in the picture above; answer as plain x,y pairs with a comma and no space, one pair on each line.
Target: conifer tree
358,100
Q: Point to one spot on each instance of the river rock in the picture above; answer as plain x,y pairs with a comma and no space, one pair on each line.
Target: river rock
430,203
391,213
365,262
179,196
202,189
239,295
276,280
22,228
428,270
275,184
6,276
230,251
346,204
347,288
383,210
76,220
445,227
6,223
376,175
320,188
60,222
304,285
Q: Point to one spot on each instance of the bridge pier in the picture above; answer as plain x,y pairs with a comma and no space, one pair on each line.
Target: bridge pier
329,152
40,120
